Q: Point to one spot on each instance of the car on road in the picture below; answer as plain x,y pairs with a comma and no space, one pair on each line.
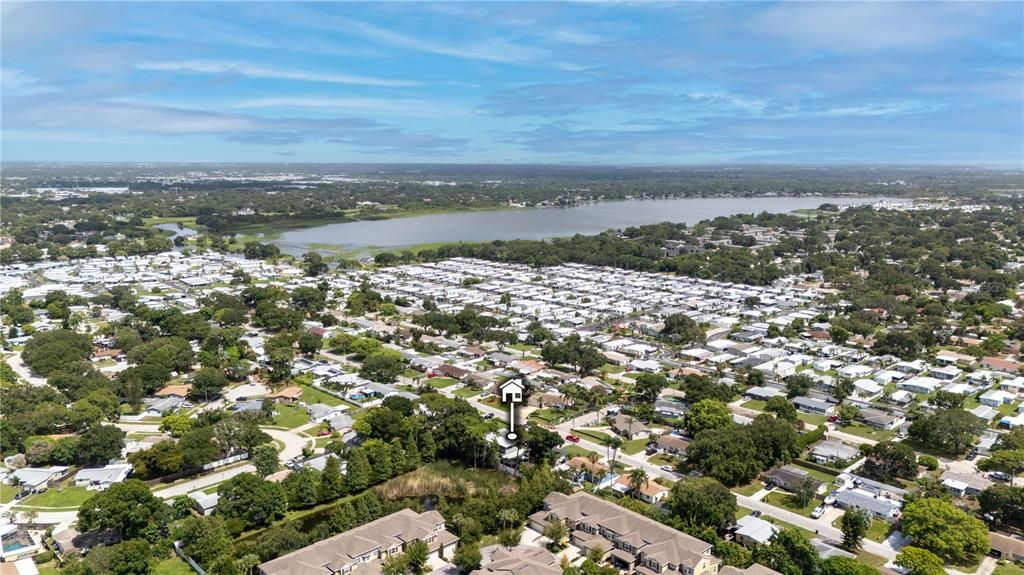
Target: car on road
488,416
1000,476
818,512
572,438
755,513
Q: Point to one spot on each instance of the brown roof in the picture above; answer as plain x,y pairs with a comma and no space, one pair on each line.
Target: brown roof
1005,544
650,488
1000,363
584,463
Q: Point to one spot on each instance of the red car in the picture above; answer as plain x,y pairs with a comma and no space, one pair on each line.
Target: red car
572,438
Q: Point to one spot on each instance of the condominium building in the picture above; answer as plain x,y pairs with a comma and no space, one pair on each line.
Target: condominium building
362,551
634,543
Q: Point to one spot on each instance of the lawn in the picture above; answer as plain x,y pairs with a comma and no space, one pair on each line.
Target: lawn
742,511
7,492
441,382
750,488
634,446
861,430
790,502
591,435
810,418
190,221
661,459
1008,569
174,566
466,392
67,497
312,395
826,478
547,416
290,417
879,530
871,560
576,451
755,404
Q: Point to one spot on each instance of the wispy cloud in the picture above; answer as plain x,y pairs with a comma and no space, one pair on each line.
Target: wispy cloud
252,70
15,82
391,106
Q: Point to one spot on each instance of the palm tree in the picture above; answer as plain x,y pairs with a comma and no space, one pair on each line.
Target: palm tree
508,517
616,443
556,531
637,479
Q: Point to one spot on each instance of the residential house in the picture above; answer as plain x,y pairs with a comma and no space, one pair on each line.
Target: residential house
629,427
204,503
36,479
750,531
880,507
672,443
179,391
755,569
1006,547
788,477
365,548
1002,365
100,478
649,492
591,471
833,451
636,544
290,394
996,398
880,419
521,560
962,484
813,406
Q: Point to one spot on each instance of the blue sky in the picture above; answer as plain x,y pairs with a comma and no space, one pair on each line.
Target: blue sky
584,82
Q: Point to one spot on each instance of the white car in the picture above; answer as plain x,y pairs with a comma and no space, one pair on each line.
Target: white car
818,512
668,468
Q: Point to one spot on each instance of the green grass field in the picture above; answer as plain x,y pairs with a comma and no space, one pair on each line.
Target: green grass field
441,382
861,430
1009,569
789,502
290,417
574,451
313,395
750,488
634,446
7,492
465,392
68,497
598,437
755,404
174,566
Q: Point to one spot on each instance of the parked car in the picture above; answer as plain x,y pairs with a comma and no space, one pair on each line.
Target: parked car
818,512
488,416
1000,476
830,498
323,433
572,438
650,451
668,468
755,513
971,456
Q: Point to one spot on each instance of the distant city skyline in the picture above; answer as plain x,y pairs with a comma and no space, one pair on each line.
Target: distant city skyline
917,83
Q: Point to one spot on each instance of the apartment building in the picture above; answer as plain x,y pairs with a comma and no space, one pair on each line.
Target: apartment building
363,550
635,544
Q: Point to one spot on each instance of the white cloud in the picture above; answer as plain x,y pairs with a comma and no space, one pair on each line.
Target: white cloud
15,82
868,26
401,107
258,71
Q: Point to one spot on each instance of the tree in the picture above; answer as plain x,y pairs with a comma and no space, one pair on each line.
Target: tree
208,382
100,444
887,460
131,558
648,386
798,385
939,527
251,499
702,502
310,343
637,480
845,566
467,557
332,482
313,264
382,366
177,424
583,355
708,414
127,507
539,443
943,399
1009,461
727,455
359,471
805,489
1003,504
680,329
264,458
920,561
204,539
782,408
948,430
789,552
556,532
854,525
776,441
846,413
416,555
49,351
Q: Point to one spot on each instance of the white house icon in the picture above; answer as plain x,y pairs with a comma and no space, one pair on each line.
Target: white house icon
512,391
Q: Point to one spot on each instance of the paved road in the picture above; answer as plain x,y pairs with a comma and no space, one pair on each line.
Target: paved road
24,372
293,445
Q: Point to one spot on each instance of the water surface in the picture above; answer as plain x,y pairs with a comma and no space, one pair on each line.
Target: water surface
538,223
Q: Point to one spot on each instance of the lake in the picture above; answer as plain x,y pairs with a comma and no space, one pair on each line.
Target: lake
537,223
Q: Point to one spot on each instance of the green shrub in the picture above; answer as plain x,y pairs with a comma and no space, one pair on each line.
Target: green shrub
44,557
928,462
